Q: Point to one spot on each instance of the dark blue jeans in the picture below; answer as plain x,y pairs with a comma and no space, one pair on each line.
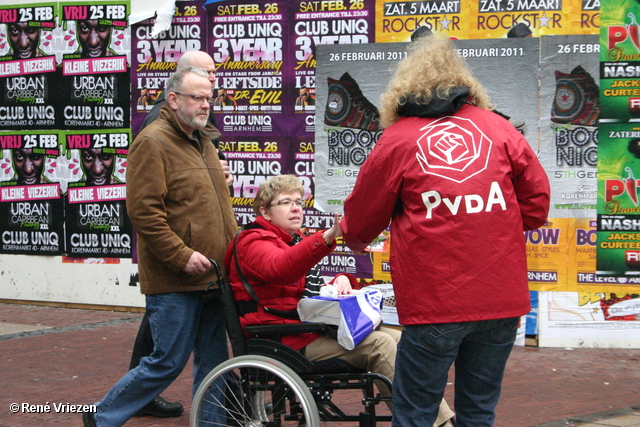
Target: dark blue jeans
425,353
181,322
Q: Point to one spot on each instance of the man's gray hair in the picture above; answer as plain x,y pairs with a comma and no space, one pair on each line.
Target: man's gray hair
174,83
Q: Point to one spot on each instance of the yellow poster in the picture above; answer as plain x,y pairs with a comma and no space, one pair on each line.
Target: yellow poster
397,21
584,17
547,255
523,18
582,264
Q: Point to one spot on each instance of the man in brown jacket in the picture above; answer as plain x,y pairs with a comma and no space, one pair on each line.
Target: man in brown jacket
178,201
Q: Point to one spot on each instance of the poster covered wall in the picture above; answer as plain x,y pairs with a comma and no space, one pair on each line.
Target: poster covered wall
64,74
289,75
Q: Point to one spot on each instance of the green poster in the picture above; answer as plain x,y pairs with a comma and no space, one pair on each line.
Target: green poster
620,62
618,232
618,235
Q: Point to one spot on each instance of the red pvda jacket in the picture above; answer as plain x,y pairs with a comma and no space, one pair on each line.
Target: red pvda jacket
459,191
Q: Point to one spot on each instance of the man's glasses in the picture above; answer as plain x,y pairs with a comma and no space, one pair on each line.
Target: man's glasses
288,203
197,98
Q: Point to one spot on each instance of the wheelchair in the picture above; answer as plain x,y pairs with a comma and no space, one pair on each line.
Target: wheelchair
270,384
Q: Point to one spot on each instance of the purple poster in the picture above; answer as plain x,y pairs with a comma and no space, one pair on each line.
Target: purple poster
247,43
253,161
154,57
320,23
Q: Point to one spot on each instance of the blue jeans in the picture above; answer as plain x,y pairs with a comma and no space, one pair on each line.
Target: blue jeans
425,353
180,322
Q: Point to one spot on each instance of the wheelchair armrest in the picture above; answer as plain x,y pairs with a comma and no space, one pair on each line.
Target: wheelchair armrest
277,331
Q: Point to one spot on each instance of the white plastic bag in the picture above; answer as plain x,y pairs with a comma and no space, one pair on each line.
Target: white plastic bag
355,315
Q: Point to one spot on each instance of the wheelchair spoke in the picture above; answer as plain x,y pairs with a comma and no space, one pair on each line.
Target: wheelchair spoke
253,391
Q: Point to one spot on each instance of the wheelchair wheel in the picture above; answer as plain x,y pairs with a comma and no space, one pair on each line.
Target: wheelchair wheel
253,391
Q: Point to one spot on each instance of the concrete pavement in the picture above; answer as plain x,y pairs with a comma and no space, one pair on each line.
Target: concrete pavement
68,357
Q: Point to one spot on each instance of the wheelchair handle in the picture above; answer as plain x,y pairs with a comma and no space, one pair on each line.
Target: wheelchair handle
215,265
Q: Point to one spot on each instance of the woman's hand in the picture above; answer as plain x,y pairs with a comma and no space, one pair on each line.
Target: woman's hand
343,285
335,231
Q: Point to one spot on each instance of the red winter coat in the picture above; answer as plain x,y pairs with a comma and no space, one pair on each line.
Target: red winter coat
460,190
276,271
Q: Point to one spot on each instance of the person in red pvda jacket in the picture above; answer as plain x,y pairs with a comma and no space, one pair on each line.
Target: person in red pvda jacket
459,184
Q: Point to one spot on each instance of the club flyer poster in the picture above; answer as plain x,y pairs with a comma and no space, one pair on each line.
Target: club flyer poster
618,210
96,221
619,63
569,113
154,59
247,41
252,161
547,255
398,21
94,91
31,208
315,24
525,18
618,236
27,66
582,263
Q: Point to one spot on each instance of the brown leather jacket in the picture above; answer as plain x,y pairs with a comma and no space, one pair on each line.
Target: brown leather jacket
178,201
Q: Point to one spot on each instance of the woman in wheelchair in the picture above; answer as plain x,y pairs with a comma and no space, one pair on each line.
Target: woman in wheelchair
277,263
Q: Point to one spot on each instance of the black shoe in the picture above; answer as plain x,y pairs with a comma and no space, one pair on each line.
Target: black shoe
160,408
88,419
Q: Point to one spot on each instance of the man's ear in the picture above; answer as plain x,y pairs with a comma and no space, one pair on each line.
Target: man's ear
172,99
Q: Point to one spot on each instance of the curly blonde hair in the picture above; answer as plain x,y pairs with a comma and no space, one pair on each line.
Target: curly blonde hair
432,68
272,187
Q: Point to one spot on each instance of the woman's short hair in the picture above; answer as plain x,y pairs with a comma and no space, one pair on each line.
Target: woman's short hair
432,68
272,187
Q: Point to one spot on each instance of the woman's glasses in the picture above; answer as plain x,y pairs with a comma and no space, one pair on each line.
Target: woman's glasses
288,203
